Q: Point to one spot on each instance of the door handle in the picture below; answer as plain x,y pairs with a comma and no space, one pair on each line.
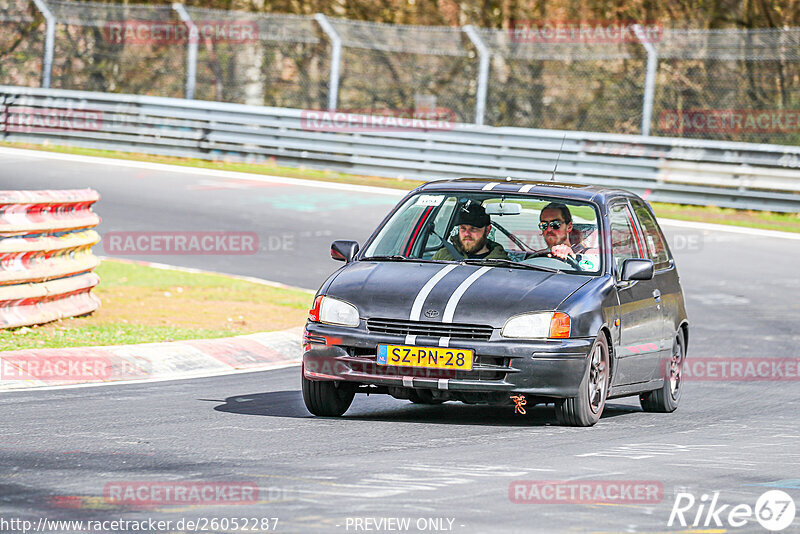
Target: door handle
657,295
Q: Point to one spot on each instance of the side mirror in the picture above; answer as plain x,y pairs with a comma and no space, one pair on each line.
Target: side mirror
342,250
636,269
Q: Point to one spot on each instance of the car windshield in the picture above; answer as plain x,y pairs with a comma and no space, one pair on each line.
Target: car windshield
501,230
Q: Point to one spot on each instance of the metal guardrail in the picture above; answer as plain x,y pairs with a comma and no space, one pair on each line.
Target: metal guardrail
688,171
46,258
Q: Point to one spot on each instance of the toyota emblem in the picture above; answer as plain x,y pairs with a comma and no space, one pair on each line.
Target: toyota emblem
430,314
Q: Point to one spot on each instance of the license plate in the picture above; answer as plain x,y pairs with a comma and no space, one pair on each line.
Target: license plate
427,357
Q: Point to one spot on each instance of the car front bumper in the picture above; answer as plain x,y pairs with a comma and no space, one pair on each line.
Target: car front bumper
546,368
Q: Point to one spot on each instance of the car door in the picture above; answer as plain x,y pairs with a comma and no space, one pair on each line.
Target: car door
665,275
639,311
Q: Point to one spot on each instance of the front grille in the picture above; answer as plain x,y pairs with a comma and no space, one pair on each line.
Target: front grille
418,328
484,368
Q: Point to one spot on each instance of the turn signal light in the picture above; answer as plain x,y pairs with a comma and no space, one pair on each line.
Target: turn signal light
313,313
559,325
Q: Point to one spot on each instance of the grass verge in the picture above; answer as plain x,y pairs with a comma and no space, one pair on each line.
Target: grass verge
786,222
142,304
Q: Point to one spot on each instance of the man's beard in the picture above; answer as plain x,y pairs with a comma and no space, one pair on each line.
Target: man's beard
469,249
557,240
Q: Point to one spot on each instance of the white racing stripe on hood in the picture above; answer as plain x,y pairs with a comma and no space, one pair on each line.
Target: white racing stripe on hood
455,298
416,308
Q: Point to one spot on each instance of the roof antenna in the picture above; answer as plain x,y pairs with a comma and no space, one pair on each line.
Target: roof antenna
553,177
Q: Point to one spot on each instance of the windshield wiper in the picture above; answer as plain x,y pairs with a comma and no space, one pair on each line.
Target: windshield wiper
398,257
509,263
393,257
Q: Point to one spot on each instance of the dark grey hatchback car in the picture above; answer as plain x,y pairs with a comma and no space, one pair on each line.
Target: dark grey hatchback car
459,294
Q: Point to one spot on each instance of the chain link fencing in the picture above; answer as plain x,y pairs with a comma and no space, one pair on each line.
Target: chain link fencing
261,59
105,48
406,68
565,86
21,43
737,85
731,85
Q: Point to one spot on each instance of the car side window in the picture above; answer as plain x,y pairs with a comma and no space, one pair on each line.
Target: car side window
653,238
623,235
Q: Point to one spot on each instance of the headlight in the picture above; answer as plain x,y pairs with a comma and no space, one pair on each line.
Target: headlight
538,325
338,312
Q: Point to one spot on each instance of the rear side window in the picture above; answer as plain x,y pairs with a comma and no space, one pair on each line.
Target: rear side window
653,238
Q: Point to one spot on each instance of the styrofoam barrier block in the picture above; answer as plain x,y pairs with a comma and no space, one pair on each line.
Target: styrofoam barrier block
20,314
50,196
48,243
25,269
49,288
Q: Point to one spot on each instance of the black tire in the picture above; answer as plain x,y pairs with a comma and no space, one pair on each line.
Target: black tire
665,400
423,396
327,398
587,407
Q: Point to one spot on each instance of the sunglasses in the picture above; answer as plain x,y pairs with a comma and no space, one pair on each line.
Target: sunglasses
555,224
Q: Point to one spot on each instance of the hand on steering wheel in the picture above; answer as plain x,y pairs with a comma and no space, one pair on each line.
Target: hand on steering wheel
567,256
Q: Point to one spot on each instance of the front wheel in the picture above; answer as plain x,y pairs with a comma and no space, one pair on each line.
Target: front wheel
327,398
665,400
587,407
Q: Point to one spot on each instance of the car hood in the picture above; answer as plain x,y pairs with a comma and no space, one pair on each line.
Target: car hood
452,292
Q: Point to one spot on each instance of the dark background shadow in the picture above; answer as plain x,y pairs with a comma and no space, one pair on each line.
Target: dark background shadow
290,404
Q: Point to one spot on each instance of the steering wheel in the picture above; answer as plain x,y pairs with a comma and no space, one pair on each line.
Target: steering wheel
572,262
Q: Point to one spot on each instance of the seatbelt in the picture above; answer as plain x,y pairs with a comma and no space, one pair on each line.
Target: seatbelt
449,246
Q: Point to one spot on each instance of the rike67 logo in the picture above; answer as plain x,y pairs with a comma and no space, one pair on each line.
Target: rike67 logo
774,510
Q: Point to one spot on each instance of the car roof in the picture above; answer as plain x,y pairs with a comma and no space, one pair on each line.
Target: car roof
585,192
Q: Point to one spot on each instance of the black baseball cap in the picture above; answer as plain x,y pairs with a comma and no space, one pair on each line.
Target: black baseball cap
473,214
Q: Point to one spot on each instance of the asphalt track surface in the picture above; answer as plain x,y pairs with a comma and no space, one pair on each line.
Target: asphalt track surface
443,468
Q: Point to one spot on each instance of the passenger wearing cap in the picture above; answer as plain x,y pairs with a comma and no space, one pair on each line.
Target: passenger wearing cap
472,240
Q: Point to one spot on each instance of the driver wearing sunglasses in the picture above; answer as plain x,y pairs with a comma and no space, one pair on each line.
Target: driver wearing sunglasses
555,222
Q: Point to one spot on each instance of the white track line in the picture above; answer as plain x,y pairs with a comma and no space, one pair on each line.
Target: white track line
728,228
197,171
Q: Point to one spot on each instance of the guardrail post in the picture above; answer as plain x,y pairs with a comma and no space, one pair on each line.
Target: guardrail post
191,56
650,78
484,55
49,42
336,58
